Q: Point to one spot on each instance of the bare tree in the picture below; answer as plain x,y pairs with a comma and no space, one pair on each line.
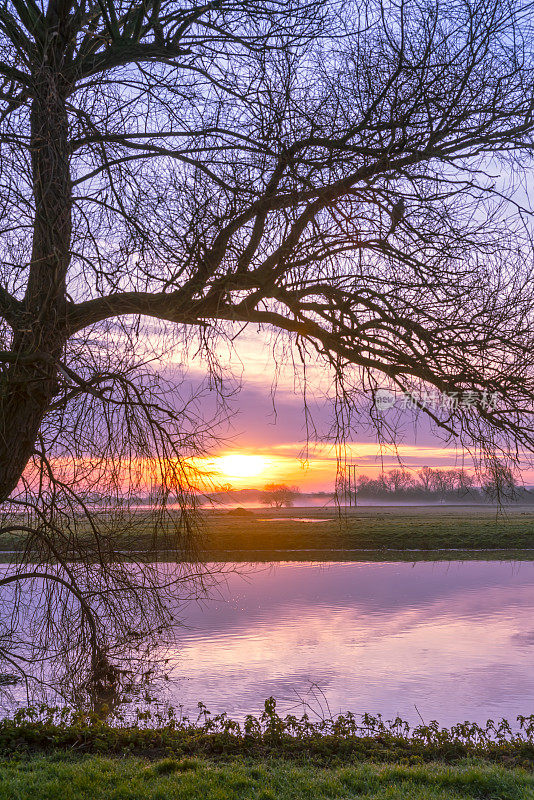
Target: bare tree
173,172
398,479
499,483
279,495
464,481
426,476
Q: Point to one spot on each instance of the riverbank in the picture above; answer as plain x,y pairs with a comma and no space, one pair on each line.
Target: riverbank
90,777
324,742
48,753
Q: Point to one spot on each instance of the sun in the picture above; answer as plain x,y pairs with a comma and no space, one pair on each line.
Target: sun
237,465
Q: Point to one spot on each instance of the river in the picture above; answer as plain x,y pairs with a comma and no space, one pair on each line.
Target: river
432,640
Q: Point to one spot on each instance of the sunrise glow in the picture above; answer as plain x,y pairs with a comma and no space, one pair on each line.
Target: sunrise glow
239,465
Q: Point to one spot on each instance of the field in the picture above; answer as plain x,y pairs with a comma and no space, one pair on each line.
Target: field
92,777
366,533
369,532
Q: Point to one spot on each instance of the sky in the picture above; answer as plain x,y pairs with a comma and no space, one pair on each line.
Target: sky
266,439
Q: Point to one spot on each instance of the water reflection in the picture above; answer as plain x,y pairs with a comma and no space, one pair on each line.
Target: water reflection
452,639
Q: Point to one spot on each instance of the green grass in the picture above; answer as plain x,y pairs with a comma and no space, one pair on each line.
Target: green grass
72,777
370,533
269,536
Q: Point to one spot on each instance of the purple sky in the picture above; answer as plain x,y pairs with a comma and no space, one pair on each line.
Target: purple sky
276,428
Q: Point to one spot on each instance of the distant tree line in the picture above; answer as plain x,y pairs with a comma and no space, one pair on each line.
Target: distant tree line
440,485
426,484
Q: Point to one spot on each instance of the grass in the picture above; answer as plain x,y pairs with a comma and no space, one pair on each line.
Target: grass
90,777
273,535
47,753
368,533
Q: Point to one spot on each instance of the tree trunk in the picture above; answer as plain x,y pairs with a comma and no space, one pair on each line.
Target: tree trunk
30,380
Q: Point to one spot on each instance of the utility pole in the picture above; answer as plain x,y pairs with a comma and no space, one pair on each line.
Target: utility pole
351,483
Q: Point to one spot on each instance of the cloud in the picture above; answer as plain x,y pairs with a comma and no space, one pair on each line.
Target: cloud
269,413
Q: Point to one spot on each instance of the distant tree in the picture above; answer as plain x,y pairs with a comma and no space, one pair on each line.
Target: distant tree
279,495
426,478
499,483
465,481
399,480
364,483
442,481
